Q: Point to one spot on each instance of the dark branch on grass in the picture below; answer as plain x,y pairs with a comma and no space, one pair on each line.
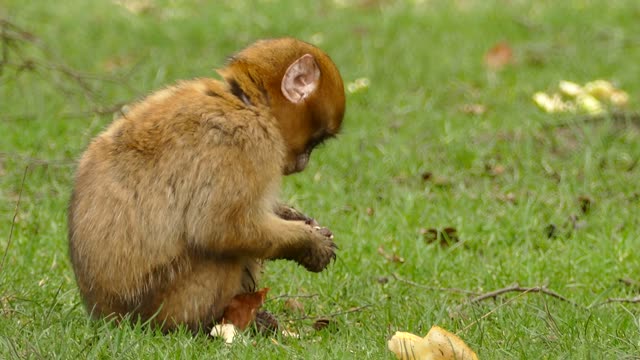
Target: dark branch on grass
98,110
633,300
433,288
13,222
287,296
630,282
14,39
517,288
35,161
332,315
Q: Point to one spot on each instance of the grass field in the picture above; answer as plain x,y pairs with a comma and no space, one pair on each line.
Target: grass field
538,199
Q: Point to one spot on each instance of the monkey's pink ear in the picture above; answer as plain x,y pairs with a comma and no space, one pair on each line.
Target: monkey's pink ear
301,79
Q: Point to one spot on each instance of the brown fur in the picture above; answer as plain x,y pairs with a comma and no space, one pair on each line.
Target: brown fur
174,205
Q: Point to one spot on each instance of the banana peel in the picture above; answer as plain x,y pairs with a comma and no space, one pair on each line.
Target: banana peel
439,344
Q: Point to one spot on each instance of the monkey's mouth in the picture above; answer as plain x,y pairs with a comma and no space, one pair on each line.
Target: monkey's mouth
298,165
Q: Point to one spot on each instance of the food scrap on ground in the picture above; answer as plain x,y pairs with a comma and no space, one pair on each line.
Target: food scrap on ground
439,344
593,98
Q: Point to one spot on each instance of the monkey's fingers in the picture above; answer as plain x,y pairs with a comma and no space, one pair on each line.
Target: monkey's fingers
324,231
312,222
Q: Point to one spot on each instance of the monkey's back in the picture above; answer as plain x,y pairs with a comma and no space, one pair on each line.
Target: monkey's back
145,187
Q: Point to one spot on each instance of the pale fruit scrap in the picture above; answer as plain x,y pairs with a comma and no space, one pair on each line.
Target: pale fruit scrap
358,85
551,104
569,88
225,331
439,344
619,98
589,104
600,89
403,344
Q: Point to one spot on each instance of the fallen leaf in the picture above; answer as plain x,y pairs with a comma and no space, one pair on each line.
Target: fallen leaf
390,257
473,109
242,309
266,323
585,203
439,344
499,56
294,306
370,211
444,238
551,230
321,324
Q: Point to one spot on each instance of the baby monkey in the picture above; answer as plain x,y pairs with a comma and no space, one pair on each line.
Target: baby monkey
174,207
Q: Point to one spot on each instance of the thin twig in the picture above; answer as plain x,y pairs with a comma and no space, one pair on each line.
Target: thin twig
98,110
517,288
433,288
314,317
490,312
630,282
13,222
633,300
287,296
35,161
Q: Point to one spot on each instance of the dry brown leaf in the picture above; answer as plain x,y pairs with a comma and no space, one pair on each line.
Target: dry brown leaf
390,257
499,56
294,306
585,203
242,309
474,109
444,237
321,323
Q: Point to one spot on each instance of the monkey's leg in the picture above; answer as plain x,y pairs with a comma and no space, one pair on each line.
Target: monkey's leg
198,296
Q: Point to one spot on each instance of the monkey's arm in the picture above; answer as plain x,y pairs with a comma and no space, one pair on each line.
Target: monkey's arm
287,212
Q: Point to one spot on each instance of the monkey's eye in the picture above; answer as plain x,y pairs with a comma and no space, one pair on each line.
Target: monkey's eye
318,141
315,143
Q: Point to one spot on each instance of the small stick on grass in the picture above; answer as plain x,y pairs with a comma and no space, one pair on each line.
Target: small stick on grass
433,288
288,296
633,300
332,315
630,282
517,288
13,222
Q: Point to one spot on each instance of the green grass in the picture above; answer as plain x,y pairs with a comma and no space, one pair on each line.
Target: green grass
424,62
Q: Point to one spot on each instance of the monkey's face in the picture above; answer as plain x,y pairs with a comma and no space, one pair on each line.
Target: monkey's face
307,126
313,108
298,155
301,85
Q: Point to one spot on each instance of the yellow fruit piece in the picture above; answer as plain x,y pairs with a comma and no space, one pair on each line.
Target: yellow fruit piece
619,98
569,88
439,344
551,104
589,104
600,89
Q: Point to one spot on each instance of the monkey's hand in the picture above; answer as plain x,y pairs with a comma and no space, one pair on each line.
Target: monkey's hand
320,252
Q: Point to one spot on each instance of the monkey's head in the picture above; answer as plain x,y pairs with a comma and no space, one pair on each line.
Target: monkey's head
300,84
